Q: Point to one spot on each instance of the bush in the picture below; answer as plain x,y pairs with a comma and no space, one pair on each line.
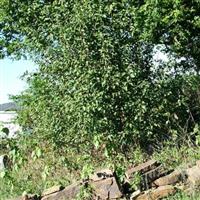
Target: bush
98,86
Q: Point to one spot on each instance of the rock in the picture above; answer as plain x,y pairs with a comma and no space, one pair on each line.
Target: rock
3,162
150,176
158,193
135,194
52,190
70,192
181,187
193,175
102,174
27,197
175,177
147,177
190,191
30,197
198,163
142,168
106,188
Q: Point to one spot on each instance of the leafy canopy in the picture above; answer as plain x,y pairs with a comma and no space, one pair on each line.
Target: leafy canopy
98,85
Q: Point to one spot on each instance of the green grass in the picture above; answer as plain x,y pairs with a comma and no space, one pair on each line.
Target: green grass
36,167
183,196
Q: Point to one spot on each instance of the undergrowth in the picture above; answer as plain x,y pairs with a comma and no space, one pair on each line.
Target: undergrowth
183,196
34,167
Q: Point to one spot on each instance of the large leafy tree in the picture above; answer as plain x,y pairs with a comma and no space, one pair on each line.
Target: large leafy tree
98,82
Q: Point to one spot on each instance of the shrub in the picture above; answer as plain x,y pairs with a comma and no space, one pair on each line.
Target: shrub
98,86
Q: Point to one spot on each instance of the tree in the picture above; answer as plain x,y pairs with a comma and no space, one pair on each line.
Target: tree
98,82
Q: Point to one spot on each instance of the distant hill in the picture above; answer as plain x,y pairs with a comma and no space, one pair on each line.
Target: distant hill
11,106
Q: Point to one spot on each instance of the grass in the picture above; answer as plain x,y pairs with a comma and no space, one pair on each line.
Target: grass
173,157
33,169
38,166
183,196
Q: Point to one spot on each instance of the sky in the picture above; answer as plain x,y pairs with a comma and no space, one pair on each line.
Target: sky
10,72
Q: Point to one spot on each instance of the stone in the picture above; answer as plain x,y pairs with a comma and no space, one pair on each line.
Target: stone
3,162
27,197
190,191
52,190
158,193
106,188
150,176
198,163
70,192
30,197
193,175
142,168
170,179
135,194
102,174
147,179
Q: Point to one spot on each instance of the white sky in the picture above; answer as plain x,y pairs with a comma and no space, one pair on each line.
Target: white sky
10,72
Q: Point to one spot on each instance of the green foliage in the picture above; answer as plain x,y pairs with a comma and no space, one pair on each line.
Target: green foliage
87,170
33,167
173,157
99,93
136,181
98,90
183,196
85,193
120,173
